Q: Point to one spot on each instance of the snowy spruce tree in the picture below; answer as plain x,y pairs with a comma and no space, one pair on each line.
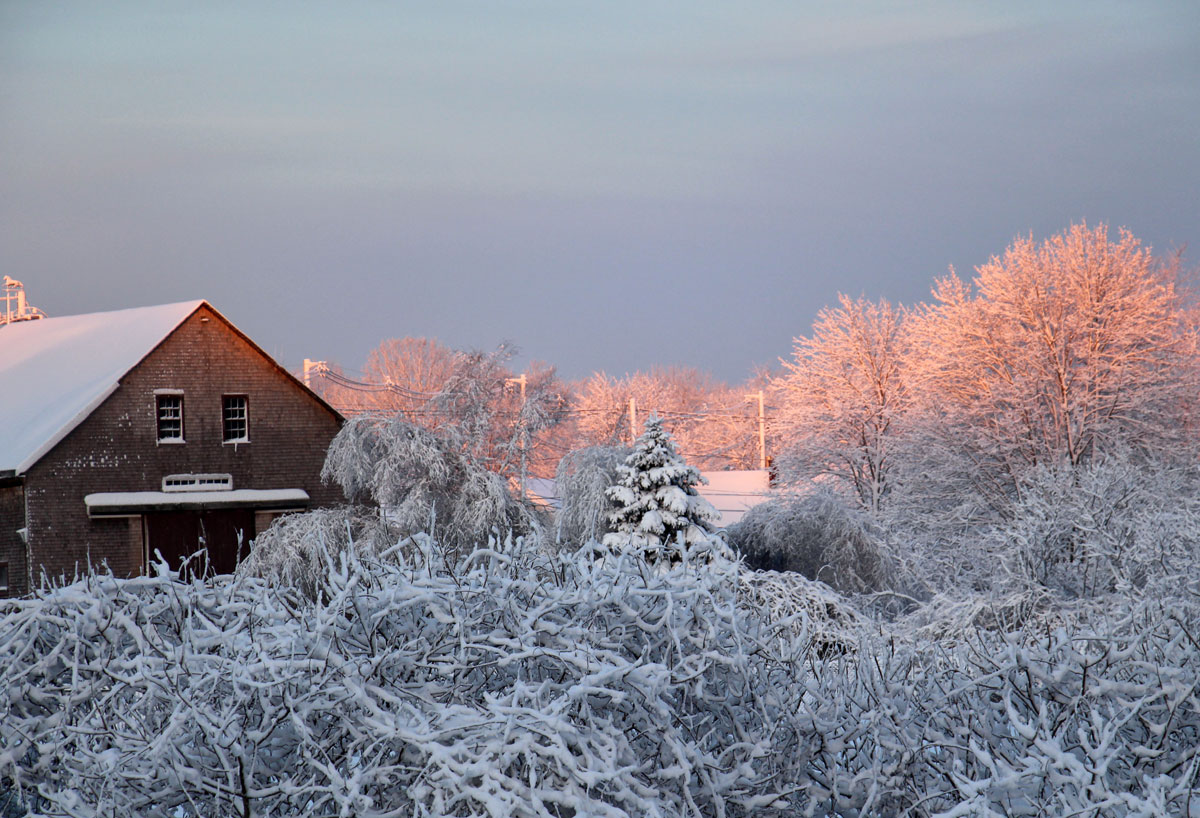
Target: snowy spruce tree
657,508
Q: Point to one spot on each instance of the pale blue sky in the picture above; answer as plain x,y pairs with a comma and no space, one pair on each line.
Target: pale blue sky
609,185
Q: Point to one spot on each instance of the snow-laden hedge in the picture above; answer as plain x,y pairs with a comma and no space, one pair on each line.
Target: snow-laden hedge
514,683
506,684
1099,721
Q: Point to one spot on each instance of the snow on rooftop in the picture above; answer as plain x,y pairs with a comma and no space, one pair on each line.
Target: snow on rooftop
732,493
543,491
56,371
106,502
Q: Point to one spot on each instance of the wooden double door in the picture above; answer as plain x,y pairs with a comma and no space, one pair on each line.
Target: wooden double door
224,535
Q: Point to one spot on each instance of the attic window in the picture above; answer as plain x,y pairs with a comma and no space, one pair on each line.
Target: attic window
170,417
198,482
235,419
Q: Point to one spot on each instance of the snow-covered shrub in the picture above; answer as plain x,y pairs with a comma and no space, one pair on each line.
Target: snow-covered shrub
828,622
1117,522
1110,524
583,477
424,482
656,508
815,534
1104,721
508,682
511,682
294,552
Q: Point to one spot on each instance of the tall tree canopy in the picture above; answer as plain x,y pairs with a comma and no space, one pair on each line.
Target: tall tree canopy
842,396
1060,350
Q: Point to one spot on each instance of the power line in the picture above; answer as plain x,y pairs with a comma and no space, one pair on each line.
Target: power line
430,410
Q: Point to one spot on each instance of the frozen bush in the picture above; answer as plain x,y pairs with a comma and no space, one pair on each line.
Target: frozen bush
424,482
295,551
814,534
1108,525
507,682
583,477
510,682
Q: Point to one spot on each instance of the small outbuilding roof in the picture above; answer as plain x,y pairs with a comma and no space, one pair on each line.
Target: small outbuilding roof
125,503
733,493
55,372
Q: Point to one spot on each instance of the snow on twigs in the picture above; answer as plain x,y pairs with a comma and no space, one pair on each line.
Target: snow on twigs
507,683
512,682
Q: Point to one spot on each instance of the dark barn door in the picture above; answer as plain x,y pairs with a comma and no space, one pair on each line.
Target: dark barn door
179,534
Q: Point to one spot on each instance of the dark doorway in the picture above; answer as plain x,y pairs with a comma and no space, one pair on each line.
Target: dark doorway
177,535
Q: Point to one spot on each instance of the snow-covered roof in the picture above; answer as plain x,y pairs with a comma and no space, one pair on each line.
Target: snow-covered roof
543,491
733,493
110,503
56,371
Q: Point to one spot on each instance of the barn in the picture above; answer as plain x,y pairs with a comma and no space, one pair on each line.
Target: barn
147,432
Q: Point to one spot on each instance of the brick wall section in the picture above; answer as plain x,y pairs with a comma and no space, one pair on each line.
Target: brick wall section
116,448
12,547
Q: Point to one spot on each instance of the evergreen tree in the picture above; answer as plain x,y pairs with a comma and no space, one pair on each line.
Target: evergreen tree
655,499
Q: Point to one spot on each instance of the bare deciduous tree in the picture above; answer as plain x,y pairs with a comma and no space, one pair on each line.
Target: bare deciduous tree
502,419
419,368
843,396
1060,350
712,424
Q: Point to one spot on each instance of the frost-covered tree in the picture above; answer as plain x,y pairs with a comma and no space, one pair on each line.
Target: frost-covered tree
424,482
1057,352
656,505
498,421
500,418
583,478
711,423
843,397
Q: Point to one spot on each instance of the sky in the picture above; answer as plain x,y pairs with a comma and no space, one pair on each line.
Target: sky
610,186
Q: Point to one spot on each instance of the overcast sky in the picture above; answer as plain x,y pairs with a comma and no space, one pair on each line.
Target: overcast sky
609,185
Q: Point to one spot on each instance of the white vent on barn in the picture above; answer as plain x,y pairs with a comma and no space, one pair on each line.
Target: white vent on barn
198,482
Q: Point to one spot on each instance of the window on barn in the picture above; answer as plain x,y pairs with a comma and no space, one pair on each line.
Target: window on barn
170,418
197,482
236,419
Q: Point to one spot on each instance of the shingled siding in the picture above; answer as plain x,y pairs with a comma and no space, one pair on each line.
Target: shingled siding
12,547
116,448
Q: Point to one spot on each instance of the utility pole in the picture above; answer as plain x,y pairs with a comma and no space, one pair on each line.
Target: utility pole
632,422
520,381
524,428
309,368
762,429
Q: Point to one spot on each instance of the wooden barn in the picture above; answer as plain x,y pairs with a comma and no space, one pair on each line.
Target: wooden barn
156,429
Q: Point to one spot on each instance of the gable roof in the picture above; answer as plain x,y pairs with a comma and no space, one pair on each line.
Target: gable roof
54,372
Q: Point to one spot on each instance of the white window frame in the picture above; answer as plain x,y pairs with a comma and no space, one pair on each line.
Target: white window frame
245,438
197,482
159,394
